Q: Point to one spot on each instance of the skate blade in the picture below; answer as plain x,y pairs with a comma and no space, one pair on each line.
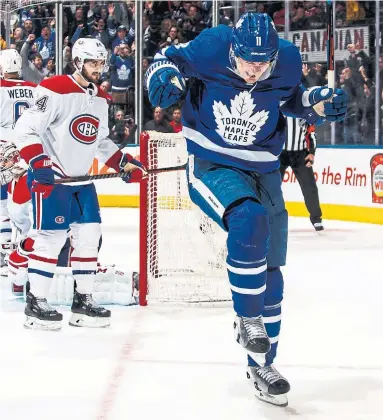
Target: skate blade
81,320
32,323
278,400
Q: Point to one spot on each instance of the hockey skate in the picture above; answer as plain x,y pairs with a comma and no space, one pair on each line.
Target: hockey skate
87,313
40,315
251,334
270,386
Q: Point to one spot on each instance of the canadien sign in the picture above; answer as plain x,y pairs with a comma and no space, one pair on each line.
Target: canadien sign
312,44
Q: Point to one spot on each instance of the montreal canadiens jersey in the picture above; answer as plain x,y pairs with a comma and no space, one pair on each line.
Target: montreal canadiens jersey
228,121
15,97
71,124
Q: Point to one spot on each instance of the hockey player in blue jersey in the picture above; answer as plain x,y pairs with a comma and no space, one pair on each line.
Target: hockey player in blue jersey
243,79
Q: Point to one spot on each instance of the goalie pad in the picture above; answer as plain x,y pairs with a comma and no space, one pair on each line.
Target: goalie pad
112,286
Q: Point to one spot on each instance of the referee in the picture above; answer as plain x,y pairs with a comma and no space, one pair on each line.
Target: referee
299,153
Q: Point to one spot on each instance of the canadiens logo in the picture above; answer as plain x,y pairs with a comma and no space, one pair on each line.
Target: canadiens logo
84,128
60,219
239,125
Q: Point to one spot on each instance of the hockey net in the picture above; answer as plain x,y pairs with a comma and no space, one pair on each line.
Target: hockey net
182,252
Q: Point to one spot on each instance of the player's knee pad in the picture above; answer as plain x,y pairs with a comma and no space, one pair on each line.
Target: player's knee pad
49,242
276,256
85,236
249,232
274,287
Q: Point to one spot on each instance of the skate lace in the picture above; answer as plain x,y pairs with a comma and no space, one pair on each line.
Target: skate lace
44,305
269,374
89,301
254,327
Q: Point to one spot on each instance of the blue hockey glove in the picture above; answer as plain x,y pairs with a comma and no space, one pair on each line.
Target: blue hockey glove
133,168
43,175
335,106
164,83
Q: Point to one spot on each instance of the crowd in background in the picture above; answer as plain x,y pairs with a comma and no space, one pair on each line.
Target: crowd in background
172,22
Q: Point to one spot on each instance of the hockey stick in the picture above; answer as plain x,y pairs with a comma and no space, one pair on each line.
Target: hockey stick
116,175
330,45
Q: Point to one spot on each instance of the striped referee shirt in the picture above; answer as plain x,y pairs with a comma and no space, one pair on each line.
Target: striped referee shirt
299,136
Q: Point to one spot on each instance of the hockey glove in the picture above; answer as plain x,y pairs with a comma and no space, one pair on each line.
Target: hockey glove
133,168
43,176
164,83
334,107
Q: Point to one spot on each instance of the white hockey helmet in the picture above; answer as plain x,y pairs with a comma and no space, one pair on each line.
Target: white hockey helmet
10,62
88,49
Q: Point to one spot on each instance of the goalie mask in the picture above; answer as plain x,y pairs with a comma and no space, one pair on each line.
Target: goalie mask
254,47
9,162
93,51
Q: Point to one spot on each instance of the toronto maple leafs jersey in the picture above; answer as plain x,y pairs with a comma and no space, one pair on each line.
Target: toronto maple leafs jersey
71,124
225,119
15,97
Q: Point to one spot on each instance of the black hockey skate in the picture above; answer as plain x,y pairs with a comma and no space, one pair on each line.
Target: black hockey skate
87,313
251,334
318,225
269,384
40,315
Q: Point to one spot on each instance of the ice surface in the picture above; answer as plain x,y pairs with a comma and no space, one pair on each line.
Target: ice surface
174,363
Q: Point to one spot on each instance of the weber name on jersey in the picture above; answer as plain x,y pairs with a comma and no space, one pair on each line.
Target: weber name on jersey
15,97
71,124
225,119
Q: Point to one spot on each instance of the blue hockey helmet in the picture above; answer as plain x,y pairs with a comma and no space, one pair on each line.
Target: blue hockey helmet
255,38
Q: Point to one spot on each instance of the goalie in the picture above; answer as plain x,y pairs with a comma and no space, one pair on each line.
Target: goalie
112,285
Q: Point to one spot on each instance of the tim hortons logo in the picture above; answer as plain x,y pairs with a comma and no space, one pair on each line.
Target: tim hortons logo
84,128
240,125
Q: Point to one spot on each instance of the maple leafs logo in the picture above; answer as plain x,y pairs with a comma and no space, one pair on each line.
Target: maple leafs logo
240,125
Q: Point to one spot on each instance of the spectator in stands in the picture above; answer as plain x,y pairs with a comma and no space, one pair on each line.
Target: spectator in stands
98,31
312,75
299,20
356,58
145,64
173,38
28,27
177,11
46,44
50,68
18,38
121,38
354,113
32,71
368,115
122,72
106,86
123,132
3,44
158,123
197,23
176,123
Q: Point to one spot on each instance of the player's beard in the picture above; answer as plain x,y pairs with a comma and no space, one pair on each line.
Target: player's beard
93,77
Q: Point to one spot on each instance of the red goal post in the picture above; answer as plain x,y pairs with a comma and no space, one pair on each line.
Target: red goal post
182,252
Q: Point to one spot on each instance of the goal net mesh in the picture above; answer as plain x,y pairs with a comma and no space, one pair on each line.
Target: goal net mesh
185,251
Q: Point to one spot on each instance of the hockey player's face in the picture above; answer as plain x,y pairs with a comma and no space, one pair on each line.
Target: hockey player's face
92,69
251,71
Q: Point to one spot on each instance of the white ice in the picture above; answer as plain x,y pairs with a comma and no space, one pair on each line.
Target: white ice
177,363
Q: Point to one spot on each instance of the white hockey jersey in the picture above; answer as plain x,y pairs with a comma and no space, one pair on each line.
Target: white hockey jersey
71,125
15,97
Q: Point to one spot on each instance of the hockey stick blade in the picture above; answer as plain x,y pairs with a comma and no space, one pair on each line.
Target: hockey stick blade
116,175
